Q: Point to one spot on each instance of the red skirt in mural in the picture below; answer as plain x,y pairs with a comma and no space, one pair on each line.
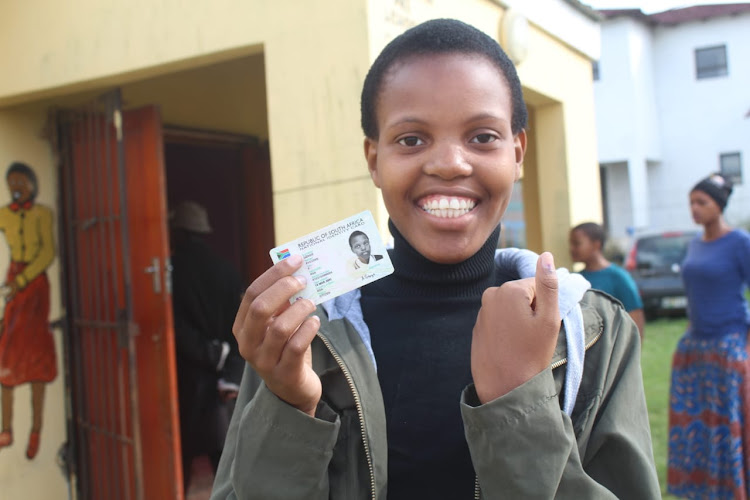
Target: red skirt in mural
27,349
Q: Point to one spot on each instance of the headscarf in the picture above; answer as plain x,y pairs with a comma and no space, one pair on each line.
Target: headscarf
717,187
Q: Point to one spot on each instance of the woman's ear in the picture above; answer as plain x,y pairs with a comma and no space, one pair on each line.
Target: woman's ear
520,148
371,155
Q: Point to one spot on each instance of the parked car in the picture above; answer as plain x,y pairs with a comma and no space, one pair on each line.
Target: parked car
654,263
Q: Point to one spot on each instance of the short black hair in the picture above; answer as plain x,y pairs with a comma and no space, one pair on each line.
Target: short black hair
593,231
22,168
355,234
439,36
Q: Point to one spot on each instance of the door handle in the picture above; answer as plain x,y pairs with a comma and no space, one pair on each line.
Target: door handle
155,271
168,275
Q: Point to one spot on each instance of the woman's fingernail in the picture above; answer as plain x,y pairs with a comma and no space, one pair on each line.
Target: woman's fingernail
295,259
548,262
301,279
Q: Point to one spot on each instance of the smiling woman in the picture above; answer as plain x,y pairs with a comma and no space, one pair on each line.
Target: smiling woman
449,377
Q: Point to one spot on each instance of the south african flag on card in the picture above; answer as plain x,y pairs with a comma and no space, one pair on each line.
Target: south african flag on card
283,254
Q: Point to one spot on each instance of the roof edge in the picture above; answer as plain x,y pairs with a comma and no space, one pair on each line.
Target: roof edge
586,10
679,15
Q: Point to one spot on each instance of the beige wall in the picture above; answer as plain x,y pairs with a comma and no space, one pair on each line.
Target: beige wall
40,479
227,96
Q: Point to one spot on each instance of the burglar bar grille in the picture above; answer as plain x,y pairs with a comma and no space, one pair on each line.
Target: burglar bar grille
97,299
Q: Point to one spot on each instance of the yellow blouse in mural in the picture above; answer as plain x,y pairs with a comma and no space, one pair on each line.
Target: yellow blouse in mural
29,237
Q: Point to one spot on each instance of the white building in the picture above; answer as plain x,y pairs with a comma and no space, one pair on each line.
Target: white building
672,96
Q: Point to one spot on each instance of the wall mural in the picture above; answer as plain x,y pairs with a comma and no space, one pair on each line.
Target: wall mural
27,349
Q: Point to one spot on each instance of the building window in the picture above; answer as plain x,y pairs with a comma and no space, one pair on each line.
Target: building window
711,62
731,166
595,70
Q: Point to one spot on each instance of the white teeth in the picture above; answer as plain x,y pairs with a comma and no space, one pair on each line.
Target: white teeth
448,212
448,207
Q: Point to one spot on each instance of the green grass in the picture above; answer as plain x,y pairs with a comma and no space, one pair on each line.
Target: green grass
656,361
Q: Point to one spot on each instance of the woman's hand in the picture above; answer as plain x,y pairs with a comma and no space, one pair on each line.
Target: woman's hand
516,332
9,290
275,337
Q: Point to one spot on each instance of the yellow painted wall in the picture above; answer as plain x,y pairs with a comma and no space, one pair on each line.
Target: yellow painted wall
559,89
227,96
40,479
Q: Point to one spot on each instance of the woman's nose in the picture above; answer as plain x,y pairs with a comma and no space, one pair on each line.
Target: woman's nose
448,161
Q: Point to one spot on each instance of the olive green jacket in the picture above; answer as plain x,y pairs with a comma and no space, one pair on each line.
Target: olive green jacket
522,444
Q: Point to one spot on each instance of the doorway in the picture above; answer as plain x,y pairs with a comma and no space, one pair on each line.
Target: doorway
229,176
120,353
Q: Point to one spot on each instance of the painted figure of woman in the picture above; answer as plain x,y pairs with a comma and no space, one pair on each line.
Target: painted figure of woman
27,349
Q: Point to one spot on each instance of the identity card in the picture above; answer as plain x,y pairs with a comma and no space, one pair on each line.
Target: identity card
338,258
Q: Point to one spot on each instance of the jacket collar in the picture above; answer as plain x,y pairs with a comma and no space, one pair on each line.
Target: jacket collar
15,206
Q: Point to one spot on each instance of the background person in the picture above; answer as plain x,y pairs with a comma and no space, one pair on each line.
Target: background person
709,404
206,292
586,244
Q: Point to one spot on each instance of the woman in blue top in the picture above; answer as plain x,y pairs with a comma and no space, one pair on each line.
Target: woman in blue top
709,437
586,244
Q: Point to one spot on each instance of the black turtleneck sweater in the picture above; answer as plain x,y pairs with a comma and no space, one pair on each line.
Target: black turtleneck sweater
421,319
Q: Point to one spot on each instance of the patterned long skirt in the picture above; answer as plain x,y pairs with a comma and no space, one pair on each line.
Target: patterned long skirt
709,418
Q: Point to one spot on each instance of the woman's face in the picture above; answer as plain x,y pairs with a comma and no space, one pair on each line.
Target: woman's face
361,247
446,158
703,208
20,187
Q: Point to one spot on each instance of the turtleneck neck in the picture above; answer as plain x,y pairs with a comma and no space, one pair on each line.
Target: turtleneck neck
415,275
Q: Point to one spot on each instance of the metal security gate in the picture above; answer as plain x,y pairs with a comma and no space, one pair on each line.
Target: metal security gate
98,300
120,342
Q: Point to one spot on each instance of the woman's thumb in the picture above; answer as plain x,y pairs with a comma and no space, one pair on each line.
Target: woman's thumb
546,285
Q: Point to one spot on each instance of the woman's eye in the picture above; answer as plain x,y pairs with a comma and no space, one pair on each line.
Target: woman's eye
411,141
484,138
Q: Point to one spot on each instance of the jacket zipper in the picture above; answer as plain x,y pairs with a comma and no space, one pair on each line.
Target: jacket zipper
557,364
360,412
588,346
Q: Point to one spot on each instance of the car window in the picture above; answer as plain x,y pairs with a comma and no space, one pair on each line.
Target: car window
663,250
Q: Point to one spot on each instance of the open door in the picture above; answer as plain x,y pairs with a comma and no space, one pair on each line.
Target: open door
120,340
